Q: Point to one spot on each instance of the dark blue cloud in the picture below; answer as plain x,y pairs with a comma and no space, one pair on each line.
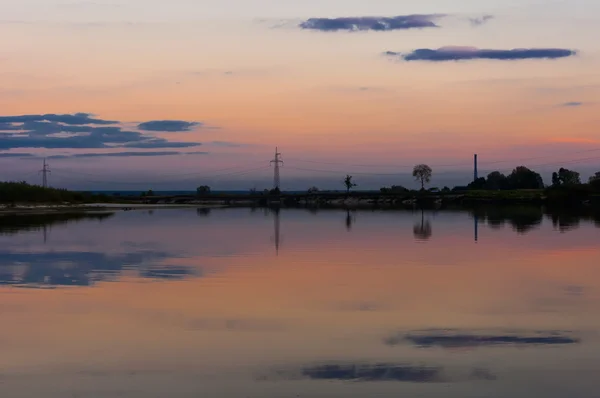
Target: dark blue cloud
572,104
79,131
160,143
122,154
167,125
75,119
6,126
15,155
467,53
400,22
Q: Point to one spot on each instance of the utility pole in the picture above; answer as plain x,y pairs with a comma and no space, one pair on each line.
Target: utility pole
45,170
475,173
277,161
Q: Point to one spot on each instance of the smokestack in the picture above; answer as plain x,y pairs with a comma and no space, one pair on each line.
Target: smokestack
475,174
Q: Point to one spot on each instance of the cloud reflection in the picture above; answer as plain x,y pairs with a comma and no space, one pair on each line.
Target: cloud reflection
380,372
464,339
60,269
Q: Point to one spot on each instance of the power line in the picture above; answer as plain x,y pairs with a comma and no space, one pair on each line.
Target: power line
338,172
437,165
200,174
150,182
372,165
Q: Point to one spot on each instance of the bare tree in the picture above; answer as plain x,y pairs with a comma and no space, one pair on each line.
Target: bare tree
422,173
349,183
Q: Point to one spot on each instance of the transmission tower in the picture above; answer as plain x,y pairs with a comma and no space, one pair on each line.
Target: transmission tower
45,170
277,162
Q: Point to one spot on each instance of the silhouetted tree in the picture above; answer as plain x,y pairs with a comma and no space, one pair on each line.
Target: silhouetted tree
479,183
348,183
394,189
565,177
496,181
203,190
313,190
422,173
595,179
524,178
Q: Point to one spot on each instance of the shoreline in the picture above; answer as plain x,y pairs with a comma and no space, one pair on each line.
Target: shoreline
93,208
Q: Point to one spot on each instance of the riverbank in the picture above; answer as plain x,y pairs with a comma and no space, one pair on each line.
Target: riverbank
342,200
41,209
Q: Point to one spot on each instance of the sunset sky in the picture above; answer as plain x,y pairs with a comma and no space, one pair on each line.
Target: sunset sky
139,94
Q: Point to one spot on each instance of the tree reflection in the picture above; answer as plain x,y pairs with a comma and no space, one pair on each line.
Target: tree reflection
11,224
423,230
350,219
203,211
522,218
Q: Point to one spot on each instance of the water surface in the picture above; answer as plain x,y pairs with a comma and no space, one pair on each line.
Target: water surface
262,303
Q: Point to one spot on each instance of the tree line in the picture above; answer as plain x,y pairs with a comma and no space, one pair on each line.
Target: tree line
525,178
520,178
22,192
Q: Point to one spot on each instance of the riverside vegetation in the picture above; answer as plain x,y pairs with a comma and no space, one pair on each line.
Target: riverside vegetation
522,185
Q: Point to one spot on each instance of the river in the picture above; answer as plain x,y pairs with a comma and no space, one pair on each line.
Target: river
294,303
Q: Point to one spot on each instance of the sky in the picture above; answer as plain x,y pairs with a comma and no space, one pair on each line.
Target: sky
148,94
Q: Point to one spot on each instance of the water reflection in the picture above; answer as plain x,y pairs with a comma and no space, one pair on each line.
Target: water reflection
472,339
380,372
350,219
522,218
422,231
367,372
203,211
11,224
54,269
230,308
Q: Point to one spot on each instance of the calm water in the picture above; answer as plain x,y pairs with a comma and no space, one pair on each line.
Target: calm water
241,303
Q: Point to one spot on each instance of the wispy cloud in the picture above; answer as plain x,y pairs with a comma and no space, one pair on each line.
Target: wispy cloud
571,104
81,131
226,144
168,125
470,53
76,119
15,155
401,22
478,21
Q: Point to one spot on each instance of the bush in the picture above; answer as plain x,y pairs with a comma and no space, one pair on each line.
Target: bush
22,192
